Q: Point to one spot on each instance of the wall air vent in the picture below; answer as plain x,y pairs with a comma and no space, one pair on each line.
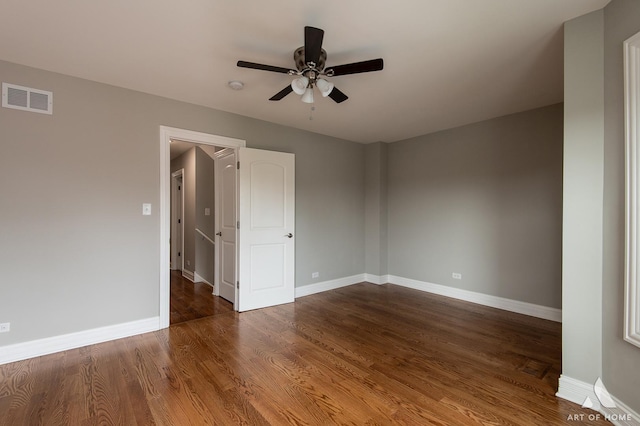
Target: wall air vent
27,99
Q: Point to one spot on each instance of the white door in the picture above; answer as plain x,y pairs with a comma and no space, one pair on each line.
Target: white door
266,270
226,223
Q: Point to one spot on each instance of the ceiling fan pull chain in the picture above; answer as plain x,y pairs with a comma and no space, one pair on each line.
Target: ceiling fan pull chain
313,108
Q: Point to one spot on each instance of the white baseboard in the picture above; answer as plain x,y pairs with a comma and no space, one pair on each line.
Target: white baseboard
574,390
49,345
197,278
544,312
622,415
188,275
329,285
577,391
376,279
538,311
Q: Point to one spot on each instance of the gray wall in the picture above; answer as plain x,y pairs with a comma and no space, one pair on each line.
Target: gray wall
620,359
205,250
376,207
483,200
76,252
583,193
204,193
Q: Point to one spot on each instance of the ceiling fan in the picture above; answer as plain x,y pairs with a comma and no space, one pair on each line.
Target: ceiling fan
310,63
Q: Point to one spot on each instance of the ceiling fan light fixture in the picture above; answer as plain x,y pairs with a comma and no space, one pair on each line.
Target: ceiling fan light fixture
307,97
300,85
324,87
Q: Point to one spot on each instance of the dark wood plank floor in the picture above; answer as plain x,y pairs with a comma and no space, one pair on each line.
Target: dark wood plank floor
191,301
363,354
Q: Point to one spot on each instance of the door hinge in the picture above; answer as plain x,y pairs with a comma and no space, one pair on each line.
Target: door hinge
238,165
238,224
237,284
179,221
179,254
178,187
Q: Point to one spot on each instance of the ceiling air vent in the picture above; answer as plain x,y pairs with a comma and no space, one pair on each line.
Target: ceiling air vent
27,99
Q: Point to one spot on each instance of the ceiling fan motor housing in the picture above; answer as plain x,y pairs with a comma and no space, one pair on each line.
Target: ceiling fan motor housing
301,64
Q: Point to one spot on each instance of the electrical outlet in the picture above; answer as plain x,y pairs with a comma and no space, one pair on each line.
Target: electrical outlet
5,327
315,274
456,276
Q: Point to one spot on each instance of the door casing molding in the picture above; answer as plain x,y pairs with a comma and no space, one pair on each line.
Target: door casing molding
632,180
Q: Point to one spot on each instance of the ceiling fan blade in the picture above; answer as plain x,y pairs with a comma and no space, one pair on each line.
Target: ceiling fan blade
312,44
337,95
356,67
281,94
253,65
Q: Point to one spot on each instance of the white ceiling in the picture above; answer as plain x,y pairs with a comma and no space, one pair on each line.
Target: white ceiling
447,62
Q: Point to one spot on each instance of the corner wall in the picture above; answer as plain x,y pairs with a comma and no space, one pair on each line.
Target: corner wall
485,201
376,176
583,193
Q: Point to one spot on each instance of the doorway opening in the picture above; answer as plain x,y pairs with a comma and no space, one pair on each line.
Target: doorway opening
173,140
203,230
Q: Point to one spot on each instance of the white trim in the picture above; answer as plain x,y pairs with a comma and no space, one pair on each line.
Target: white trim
310,289
632,160
538,311
197,278
544,312
49,345
621,406
166,134
205,236
189,275
577,391
376,279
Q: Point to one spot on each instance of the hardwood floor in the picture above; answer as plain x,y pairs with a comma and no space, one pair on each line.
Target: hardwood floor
363,354
191,301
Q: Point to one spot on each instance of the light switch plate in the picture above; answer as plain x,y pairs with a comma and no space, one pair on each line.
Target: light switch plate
146,209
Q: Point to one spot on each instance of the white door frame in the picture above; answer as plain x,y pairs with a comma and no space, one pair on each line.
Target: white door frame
166,134
177,246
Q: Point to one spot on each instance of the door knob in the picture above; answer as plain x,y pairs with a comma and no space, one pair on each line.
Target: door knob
289,235
219,234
